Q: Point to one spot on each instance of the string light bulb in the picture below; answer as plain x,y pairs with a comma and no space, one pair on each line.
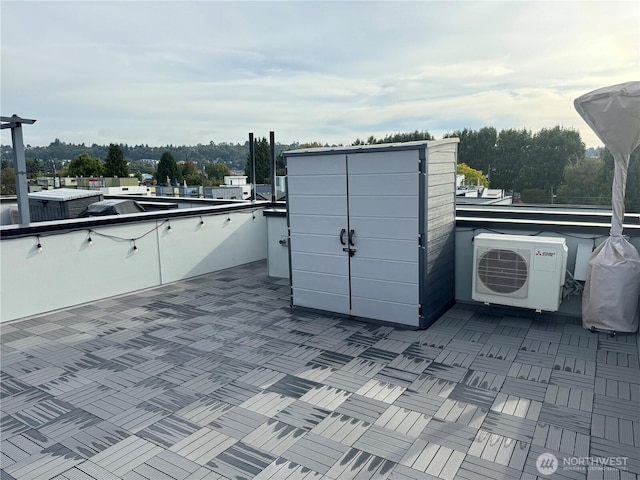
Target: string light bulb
228,218
168,226
135,247
89,240
39,245
201,221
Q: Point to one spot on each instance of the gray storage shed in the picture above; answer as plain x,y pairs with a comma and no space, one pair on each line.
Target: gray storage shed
60,203
372,229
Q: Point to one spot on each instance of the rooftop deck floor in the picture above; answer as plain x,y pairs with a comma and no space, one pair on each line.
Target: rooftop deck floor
216,377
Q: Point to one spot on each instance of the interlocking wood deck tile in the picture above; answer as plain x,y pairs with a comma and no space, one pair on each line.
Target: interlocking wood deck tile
524,388
446,372
96,438
327,397
204,410
403,420
517,406
625,374
341,428
238,422
616,429
453,435
476,468
483,380
535,358
425,403
396,376
281,469
461,412
510,426
302,415
384,443
359,465
274,437
240,461
316,452
45,464
562,440
203,445
453,358
570,397
476,396
168,431
572,419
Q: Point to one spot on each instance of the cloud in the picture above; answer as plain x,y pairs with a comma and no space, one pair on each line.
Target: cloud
191,72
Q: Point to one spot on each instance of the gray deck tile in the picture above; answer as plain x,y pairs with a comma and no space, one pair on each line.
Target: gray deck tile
384,443
483,380
204,410
219,373
475,468
476,396
274,437
240,461
449,434
510,426
359,465
572,419
302,415
316,452
168,431
238,422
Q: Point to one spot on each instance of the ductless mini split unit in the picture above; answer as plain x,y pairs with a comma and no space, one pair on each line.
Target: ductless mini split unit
519,270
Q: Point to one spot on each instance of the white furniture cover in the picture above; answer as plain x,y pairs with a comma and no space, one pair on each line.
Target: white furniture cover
611,299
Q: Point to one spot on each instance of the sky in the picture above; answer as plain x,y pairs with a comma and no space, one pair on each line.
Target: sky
190,72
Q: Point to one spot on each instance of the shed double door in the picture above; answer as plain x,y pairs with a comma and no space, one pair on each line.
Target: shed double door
353,222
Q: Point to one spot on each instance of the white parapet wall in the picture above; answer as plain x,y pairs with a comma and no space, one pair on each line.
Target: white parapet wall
69,270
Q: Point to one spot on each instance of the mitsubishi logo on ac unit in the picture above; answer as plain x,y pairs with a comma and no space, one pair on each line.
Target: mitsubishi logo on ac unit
540,253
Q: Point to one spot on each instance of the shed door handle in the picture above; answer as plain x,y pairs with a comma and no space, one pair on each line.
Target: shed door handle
351,234
342,232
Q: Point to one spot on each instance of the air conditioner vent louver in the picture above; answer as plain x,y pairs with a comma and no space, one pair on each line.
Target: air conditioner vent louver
519,270
503,271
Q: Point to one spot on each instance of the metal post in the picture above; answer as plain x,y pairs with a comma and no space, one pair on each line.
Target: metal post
252,167
273,166
20,164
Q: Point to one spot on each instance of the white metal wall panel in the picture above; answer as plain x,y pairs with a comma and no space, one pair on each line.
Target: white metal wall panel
394,271
317,189
385,185
397,292
331,185
389,227
319,224
402,161
321,300
333,264
320,282
317,204
383,207
316,165
387,311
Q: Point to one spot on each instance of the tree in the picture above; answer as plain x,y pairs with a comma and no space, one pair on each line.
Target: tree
584,183
34,168
8,181
552,150
512,152
85,166
167,170
216,172
188,172
396,138
263,161
471,176
477,148
115,164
